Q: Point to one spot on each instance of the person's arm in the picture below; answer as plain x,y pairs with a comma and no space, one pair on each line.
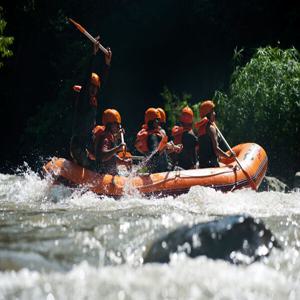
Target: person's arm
214,138
104,153
104,76
107,154
172,148
106,68
92,65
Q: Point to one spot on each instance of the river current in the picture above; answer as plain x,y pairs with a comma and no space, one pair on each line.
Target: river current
63,243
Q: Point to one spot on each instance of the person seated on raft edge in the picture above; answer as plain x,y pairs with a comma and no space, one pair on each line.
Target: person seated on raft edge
208,146
183,134
152,141
105,139
86,110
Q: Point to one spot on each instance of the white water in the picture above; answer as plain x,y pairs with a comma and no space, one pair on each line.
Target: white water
61,243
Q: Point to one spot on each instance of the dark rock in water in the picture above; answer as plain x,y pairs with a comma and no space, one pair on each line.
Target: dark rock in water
297,181
237,239
273,184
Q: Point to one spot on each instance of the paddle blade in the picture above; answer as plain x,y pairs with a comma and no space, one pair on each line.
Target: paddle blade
125,154
78,26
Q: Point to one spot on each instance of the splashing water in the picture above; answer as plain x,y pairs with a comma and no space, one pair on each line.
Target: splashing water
62,243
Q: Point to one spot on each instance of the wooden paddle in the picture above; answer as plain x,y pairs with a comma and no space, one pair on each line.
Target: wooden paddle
91,38
251,182
129,155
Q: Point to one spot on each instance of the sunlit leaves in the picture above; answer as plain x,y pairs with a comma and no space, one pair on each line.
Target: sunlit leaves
5,42
174,104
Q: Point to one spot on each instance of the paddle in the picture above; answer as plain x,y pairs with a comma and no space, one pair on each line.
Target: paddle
92,39
122,141
129,155
124,153
251,182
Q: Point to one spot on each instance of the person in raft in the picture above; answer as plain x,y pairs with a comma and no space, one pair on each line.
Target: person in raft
86,110
183,134
152,141
208,149
105,139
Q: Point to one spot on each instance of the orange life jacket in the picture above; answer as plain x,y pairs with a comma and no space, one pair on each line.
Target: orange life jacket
177,132
142,136
201,126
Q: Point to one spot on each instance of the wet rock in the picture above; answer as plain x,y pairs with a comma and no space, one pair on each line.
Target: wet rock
237,239
273,184
297,181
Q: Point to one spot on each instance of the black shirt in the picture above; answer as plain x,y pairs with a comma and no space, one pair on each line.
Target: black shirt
187,157
159,161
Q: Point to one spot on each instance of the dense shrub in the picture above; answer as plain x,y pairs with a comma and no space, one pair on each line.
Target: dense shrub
263,106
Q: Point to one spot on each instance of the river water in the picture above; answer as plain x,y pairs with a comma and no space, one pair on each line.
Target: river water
62,243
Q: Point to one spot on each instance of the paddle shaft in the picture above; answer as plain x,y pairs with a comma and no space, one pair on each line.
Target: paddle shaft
251,182
136,157
93,40
123,141
90,37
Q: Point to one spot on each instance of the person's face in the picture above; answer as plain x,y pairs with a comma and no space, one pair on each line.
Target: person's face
156,123
115,128
212,116
93,90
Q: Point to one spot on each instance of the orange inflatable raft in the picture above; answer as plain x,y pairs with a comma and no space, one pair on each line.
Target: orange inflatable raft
227,177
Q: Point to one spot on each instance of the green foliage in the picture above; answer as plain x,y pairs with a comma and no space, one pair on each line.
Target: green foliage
263,104
174,104
5,42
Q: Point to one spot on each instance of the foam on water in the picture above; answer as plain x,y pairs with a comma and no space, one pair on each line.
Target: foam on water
184,278
28,188
62,243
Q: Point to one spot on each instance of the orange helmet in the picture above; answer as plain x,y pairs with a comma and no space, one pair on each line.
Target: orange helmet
206,107
95,79
163,117
111,116
187,115
151,114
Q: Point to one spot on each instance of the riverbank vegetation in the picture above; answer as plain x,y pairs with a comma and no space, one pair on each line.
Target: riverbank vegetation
5,41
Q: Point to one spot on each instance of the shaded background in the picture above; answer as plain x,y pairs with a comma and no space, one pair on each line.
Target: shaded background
184,45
